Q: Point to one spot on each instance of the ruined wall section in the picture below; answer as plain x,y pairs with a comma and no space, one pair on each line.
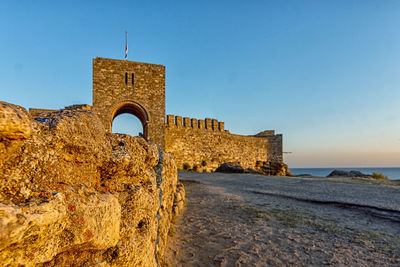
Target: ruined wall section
131,87
72,195
275,148
275,153
34,111
205,144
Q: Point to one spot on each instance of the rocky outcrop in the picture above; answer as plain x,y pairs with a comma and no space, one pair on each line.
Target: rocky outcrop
70,194
274,169
341,173
263,168
230,167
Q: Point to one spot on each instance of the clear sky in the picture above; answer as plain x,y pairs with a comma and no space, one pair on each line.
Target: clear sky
325,74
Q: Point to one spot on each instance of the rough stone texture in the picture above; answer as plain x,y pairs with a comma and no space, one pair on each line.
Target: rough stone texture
131,87
203,145
274,169
14,122
70,194
275,148
179,199
34,111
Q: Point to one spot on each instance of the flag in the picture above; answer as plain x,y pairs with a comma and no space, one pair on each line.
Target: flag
126,45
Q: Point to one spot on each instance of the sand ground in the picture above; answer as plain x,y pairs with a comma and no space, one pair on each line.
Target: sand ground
250,220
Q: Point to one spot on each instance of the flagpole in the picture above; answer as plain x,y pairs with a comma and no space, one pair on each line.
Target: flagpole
126,45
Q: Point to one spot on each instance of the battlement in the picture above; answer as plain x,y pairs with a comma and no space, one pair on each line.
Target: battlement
205,144
206,124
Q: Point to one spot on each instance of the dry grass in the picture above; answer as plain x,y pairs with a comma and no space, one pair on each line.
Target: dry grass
379,176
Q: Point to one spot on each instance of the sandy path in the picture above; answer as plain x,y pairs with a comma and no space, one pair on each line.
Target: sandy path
248,220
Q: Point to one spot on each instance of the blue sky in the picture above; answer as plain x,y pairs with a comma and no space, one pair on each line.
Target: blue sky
325,74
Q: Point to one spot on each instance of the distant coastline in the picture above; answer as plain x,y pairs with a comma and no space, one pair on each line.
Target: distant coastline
392,172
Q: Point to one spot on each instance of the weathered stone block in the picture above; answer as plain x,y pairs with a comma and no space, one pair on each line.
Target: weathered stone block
178,121
186,122
208,124
214,125
170,119
195,123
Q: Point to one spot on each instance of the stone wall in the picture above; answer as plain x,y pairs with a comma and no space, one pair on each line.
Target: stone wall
73,195
130,87
275,150
41,110
203,145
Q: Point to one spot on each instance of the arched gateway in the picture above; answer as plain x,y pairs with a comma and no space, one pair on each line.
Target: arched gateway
131,87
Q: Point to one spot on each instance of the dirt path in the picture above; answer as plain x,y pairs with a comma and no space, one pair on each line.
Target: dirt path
247,220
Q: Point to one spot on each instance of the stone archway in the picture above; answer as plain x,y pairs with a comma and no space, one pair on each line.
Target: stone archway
134,109
121,86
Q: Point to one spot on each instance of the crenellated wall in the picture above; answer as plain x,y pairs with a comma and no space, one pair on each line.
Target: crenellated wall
207,124
203,145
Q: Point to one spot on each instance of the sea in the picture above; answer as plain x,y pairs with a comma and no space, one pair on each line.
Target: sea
392,173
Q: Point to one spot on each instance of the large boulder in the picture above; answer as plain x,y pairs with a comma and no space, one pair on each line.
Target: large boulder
15,122
275,169
230,168
263,168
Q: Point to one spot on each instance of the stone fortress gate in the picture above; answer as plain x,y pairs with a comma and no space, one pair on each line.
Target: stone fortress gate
136,88
131,87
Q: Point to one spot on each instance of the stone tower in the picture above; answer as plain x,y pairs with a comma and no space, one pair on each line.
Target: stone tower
131,87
